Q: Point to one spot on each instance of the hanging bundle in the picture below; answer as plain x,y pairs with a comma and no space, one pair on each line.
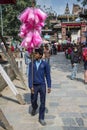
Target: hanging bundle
32,20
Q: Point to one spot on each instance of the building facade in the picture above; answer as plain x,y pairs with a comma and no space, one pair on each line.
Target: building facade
69,26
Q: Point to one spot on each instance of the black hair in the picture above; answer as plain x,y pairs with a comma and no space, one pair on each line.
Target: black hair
0,56
39,50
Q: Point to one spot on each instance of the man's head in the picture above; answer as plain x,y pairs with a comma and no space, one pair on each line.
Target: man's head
38,53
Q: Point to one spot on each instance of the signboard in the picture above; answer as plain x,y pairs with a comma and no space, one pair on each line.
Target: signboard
7,1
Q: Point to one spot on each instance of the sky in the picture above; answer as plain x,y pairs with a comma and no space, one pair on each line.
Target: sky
58,5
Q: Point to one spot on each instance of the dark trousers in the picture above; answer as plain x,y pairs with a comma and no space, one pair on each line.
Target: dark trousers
42,91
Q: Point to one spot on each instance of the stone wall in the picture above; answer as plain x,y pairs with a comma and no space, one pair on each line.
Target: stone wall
11,74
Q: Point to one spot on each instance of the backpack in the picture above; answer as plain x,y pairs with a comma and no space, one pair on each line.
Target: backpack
74,57
84,54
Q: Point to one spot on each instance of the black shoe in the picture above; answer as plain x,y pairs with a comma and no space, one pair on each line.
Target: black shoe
33,112
85,83
42,122
72,78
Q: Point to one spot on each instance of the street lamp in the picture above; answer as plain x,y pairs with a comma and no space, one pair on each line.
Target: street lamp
1,20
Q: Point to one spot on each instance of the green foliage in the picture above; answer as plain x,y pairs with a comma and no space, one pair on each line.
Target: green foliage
83,15
83,2
11,24
10,12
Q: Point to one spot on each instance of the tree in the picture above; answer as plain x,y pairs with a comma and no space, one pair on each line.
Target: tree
11,24
50,13
83,14
83,2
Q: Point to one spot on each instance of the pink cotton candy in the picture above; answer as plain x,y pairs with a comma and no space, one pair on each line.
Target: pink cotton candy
42,16
36,38
30,50
32,22
29,37
24,44
23,27
36,44
42,24
38,28
23,30
24,15
21,34
31,45
37,21
31,16
27,41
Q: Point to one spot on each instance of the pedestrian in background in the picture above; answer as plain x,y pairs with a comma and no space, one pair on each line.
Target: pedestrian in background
74,62
84,56
37,83
27,61
46,53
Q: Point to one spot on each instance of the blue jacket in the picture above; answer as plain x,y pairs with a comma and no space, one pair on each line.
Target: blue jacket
40,74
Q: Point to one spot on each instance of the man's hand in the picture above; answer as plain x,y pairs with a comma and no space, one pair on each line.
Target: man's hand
72,65
49,90
32,90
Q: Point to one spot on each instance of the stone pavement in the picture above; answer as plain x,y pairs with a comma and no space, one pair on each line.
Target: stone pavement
66,105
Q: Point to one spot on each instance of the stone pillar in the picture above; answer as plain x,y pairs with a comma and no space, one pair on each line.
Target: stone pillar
63,32
83,29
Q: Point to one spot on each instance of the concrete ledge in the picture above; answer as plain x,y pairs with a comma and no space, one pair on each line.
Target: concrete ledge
11,74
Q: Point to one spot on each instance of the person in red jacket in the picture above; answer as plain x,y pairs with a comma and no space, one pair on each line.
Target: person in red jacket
12,48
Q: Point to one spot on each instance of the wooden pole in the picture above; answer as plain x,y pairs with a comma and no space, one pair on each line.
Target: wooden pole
32,61
33,5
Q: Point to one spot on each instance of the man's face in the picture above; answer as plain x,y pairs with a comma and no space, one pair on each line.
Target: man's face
37,55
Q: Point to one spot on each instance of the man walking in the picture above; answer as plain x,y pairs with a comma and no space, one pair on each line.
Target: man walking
38,71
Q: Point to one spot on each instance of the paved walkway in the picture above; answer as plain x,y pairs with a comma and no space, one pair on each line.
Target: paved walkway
66,105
